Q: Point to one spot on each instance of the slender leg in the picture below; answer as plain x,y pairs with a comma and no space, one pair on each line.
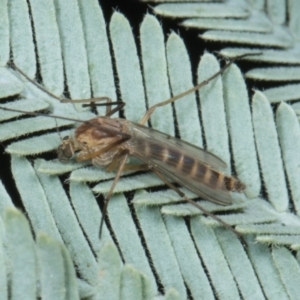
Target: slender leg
108,196
108,102
151,110
206,212
120,105
114,165
122,167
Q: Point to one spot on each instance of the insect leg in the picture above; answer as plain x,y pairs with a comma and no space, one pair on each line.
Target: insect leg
206,212
109,194
120,105
151,110
92,101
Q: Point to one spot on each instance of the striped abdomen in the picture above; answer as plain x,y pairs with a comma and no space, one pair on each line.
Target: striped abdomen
166,157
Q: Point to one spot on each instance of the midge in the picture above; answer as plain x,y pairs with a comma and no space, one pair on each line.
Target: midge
108,142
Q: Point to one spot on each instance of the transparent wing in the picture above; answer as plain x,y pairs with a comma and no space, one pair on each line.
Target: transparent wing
181,162
219,196
199,154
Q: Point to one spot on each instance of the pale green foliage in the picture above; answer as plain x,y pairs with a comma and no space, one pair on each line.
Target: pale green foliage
72,37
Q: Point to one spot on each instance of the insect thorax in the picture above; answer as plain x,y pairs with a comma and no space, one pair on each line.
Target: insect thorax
98,140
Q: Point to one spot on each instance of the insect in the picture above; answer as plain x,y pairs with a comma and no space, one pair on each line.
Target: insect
108,142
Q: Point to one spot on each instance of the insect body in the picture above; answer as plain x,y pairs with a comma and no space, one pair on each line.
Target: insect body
105,141
108,143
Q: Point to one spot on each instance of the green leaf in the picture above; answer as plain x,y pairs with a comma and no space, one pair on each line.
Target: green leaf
21,256
73,48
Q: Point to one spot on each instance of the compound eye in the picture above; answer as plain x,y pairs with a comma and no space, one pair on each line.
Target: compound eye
66,138
65,153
